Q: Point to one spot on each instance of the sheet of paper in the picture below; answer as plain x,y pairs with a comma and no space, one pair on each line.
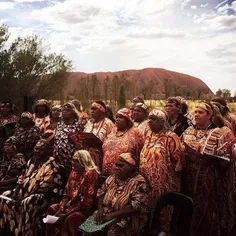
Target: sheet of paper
50,219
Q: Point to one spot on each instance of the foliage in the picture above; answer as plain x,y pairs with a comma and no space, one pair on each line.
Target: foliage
122,98
25,69
224,93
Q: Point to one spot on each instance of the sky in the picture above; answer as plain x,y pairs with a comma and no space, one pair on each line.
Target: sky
196,37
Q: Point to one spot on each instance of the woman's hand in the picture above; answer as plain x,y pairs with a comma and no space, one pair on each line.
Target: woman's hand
102,218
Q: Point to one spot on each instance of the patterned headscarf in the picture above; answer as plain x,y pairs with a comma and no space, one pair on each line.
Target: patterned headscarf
59,107
142,105
27,114
158,113
179,102
99,106
206,107
125,112
127,157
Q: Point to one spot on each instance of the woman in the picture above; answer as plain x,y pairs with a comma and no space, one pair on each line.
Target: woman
140,114
39,186
27,134
6,113
49,129
41,114
12,165
176,109
63,148
161,162
209,177
78,201
100,125
123,138
123,197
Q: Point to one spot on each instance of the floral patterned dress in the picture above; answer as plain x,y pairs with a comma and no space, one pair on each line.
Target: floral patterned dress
38,184
8,119
211,183
80,193
161,161
134,192
130,141
64,149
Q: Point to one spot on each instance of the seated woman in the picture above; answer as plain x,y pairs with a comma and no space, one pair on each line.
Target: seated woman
78,201
27,134
6,113
40,184
123,197
12,164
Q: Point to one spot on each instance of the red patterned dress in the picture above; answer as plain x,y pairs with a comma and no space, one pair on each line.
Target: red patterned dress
130,141
160,163
80,193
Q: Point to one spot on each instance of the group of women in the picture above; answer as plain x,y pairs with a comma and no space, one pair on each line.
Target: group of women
142,155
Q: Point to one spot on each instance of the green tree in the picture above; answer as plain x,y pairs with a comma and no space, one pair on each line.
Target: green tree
122,97
219,93
26,69
226,94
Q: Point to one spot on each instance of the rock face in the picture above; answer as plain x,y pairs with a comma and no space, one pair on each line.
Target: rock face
153,80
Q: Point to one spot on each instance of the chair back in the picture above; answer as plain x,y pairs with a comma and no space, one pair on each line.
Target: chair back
183,207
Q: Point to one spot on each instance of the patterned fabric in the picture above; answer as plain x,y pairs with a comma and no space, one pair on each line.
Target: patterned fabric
41,122
39,184
11,167
142,127
134,193
63,148
101,129
158,113
125,112
180,125
211,183
127,157
80,195
8,119
27,138
161,161
130,141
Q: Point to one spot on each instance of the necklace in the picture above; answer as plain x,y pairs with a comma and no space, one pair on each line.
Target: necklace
121,133
99,127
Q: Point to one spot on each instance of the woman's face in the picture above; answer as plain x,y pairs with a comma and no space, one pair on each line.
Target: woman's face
122,169
9,148
155,123
138,114
67,113
6,109
41,109
201,117
56,113
171,109
39,151
76,166
25,122
95,113
121,122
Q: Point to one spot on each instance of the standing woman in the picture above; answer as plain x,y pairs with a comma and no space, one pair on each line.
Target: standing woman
41,114
207,178
63,148
176,109
99,125
161,162
6,113
123,138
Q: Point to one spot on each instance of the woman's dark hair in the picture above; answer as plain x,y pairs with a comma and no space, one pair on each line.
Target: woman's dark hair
11,105
109,113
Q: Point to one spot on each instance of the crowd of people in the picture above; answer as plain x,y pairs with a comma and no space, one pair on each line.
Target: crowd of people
61,161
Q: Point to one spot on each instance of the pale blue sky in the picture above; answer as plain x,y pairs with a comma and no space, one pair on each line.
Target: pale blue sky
197,37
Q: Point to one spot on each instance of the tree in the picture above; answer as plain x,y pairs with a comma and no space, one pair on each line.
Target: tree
219,93
122,98
226,94
25,69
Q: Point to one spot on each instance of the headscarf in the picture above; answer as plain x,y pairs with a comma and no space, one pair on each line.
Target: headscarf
99,106
179,102
27,114
206,107
59,107
142,105
127,157
158,113
126,113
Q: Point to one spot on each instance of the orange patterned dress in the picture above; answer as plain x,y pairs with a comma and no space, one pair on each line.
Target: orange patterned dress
160,163
130,141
